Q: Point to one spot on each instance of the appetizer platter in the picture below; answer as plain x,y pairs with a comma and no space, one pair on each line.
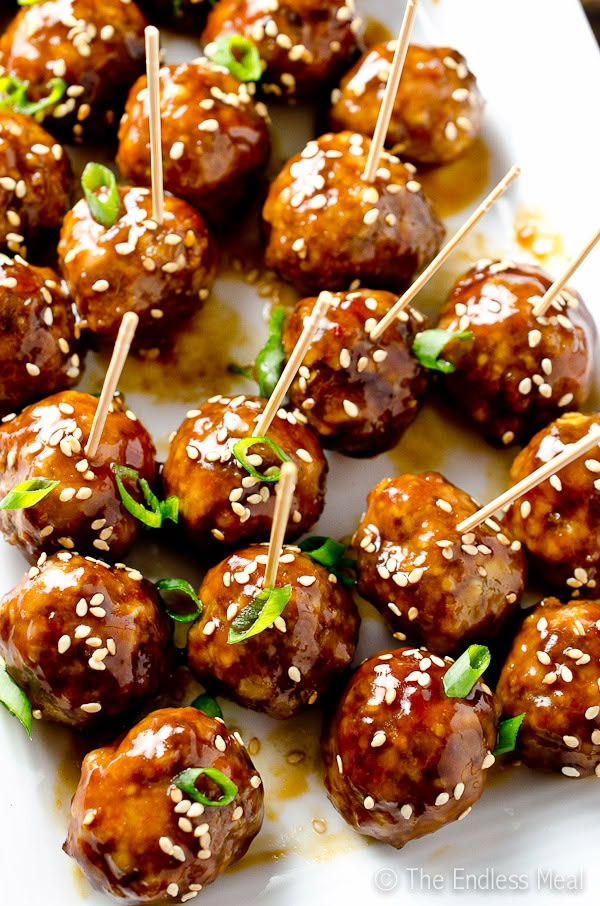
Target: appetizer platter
286,234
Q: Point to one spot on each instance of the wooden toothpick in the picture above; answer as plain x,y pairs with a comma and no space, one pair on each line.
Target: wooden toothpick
283,504
568,455
156,164
293,363
542,306
439,259
120,352
389,95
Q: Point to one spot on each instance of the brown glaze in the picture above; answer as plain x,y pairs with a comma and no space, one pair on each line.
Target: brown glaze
558,521
38,347
35,181
286,668
215,138
96,46
86,642
401,758
47,440
517,372
134,834
551,675
218,499
162,272
438,109
305,44
429,582
359,396
315,219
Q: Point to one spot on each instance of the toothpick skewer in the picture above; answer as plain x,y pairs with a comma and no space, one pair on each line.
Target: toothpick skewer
391,90
120,352
156,164
283,504
542,306
569,454
439,259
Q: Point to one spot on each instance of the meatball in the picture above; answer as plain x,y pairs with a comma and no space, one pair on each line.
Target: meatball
39,348
327,227
135,834
358,395
431,583
84,512
287,667
178,14
551,675
215,138
218,498
86,642
558,521
95,46
34,181
517,372
162,272
438,109
402,758
305,44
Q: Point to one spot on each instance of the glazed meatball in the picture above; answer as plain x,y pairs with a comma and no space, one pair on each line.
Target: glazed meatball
34,181
286,668
437,111
551,675
39,349
86,642
215,138
95,46
357,394
517,372
402,758
84,512
133,831
327,227
305,44
218,499
558,521
162,272
430,582
177,14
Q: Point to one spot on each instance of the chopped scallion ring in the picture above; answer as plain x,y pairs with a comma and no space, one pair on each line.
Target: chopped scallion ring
159,509
186,781
180,586
460,678
14,699
239,55
27,493
13,95
259,614
208,704
429,345
507,734
105,210
241,447
270,359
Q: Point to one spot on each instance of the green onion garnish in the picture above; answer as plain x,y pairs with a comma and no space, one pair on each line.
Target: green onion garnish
29,2
177,10
13,95
239,55
246,371
158,511
186,781
460,678
241,447
507,734
258,615
270,359
208,704
330,553
105,211
166,586
429,344
27,493
14,699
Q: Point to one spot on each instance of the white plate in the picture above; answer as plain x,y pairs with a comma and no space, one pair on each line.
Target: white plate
538,67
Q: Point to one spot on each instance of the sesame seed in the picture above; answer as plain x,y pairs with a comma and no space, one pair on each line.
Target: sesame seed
379,739
571,741
570,771
32,369
220,743
100,286
406,811
294,674
592,712
459,790
64,643
442,799
368,802
350,408
488,761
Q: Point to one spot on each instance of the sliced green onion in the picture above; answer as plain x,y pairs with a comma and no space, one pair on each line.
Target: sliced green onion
177,10
14,699
241,447
460,678
244,370
270,359
330,553
159,509
429,345
169,508
181,587
208,704
507,734
27,493
239,55
13,95
186,781
258,615
29,2
105,211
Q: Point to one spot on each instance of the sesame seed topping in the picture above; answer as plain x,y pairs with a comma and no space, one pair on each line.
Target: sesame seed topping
570,771
379,739
406,811
442,799
294,674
